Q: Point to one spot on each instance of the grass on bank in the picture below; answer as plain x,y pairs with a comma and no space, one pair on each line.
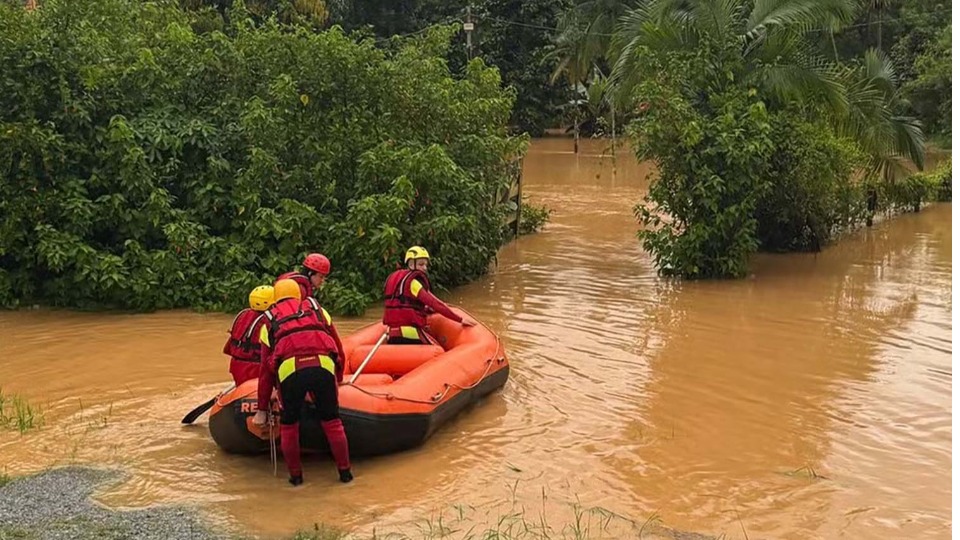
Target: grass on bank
18,413
587,524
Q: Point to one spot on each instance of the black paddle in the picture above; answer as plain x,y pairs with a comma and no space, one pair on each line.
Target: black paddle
194,414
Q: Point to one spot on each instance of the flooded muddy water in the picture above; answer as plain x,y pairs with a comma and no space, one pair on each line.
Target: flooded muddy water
809,400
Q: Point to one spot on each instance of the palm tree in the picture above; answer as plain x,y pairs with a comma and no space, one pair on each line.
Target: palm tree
775,38
872,121
766,49
772,36
574,61
594,22
876,7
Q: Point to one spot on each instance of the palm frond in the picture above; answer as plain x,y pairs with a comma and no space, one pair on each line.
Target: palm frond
627,40
802,14
871,120
788,64
908,139
718,17
879,72
793,82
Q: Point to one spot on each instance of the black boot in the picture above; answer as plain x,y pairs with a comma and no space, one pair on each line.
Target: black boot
346,475
296,480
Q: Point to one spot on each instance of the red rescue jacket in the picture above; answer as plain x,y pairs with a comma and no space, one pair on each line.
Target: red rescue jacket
401,308
299,331
244,341
295,329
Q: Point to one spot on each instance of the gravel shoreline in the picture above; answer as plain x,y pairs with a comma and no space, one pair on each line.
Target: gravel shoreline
56,505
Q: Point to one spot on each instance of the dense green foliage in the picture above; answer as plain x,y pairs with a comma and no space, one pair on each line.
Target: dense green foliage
147,166
930,91
519,51
177,153
907,30
529,39
812,193
711,157
761,142
513,35
915,190
312,13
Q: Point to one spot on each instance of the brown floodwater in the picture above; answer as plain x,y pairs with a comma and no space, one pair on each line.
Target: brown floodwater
810,400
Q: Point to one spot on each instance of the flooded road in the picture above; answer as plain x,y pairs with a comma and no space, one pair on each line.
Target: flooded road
810,400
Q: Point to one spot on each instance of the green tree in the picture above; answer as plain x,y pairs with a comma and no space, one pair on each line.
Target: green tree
510,34
725,90
813,192
930,92
574,62
148,166
513,35
871,118
707,76
909,29
310,12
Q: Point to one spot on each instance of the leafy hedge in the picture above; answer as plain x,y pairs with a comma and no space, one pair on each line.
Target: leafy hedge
813,187
147,166
909,194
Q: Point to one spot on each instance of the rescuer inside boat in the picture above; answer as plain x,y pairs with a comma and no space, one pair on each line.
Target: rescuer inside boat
407,297
299,355
316,266
243,345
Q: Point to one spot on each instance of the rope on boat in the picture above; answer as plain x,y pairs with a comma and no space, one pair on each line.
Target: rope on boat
273,445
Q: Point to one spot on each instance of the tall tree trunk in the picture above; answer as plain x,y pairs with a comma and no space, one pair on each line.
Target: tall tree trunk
576,133
880,29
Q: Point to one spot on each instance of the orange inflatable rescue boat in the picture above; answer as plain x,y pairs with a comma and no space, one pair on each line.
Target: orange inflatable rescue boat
402,395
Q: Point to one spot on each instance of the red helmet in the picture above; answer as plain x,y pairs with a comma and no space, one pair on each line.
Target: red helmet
318,263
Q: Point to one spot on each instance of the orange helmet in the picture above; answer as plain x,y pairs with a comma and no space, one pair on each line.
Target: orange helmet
286,288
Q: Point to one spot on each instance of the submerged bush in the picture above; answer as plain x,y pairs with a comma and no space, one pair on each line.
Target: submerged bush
943,179
813,189
146,166
912,192
533,217
698,218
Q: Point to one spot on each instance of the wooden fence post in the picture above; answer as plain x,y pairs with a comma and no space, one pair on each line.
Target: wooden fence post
513,221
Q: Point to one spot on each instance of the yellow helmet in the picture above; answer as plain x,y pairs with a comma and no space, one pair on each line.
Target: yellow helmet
261,297
286,288
416,252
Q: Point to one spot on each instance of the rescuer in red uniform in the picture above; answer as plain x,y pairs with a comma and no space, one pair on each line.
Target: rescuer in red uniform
243,345
407,297
316,266
300,356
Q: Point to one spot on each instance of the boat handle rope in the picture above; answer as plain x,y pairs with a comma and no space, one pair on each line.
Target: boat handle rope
436,398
